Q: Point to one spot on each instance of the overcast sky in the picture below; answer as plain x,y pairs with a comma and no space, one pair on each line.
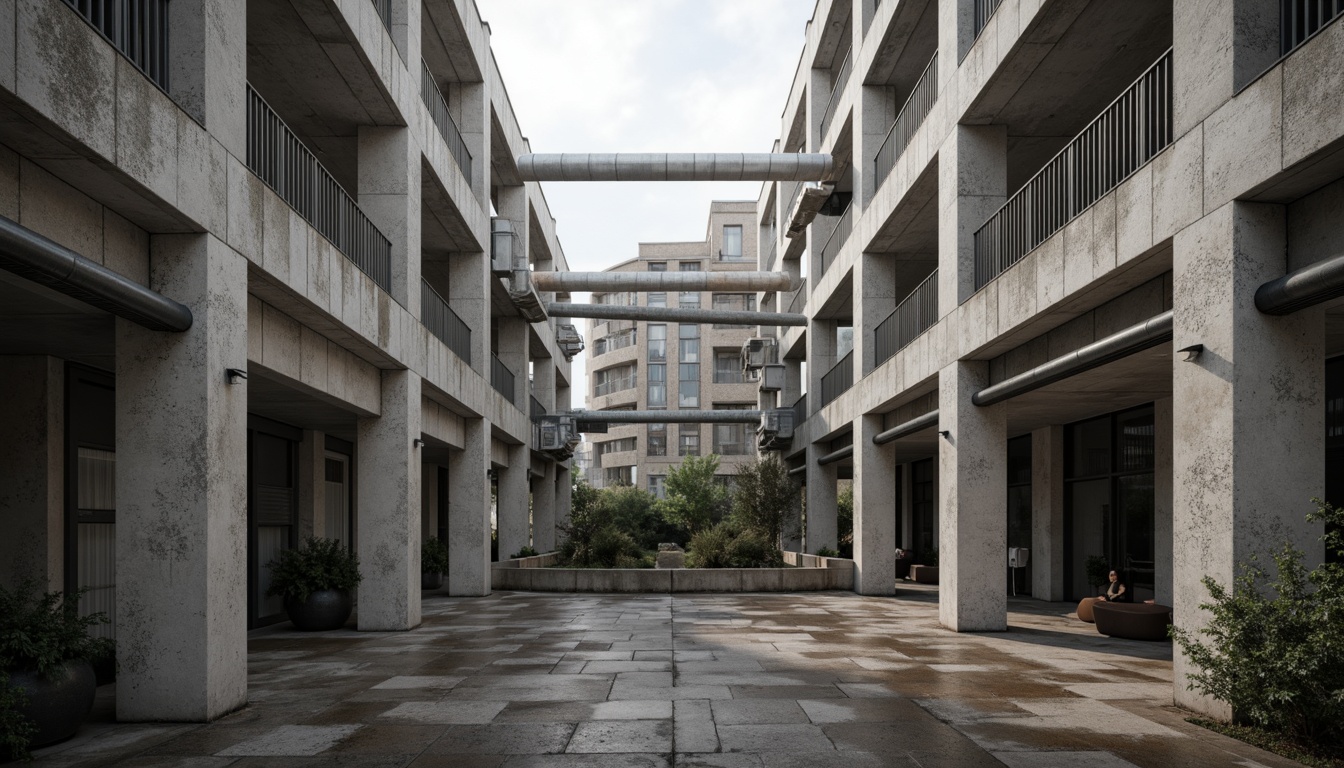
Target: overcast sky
644,76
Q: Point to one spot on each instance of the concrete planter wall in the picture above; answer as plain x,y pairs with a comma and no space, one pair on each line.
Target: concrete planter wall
924,574
531,575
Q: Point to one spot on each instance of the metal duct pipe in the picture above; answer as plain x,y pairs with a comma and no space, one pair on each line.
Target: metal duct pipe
686,166
674,314
1311,285
662,281
669,417
798,470
834,456
1133,339
917,424
34,257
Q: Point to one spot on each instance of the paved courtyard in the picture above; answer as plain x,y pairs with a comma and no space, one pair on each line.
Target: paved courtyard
766,681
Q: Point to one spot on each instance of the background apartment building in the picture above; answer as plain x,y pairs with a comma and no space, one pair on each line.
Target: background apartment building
639,365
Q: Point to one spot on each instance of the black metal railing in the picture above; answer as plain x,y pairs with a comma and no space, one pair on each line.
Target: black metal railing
277,156
837,380
538,410
384,9
1125,136
772,254
618,384
501,378
917,107
444,323
837,239
837,92
798,298
136,28
438,112
800,413
1300,19
913,316
984,9
614,342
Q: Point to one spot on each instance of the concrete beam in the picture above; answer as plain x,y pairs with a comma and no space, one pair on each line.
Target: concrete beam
686,166
662,281
674,314
670,417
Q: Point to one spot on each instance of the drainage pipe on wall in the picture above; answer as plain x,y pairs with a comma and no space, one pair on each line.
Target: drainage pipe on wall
834,456
674,314
910,427
43,261
668,417
560,282
1133,339
687,166
1303,288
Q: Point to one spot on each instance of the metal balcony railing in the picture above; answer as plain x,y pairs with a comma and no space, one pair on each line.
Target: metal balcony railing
800,413
1125,136
1300,19
917,107
501,378
384,9
798,298
837,380
619,384
612,343
538,410
277,156
444,323
793,199
136,28
771,255
837,91
438,111
984,9
837,239
913,316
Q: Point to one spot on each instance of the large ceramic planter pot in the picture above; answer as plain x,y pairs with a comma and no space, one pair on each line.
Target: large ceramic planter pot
431,580
57,706
324,609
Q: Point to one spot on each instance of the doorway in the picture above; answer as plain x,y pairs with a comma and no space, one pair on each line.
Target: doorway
272,511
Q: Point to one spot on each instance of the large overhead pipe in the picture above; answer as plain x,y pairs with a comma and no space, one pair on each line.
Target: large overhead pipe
917,424
674,314
559,282
834,456
34,257
1311,285
648,166
1133,339
669,417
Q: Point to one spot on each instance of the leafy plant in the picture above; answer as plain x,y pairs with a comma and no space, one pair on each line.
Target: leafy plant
726,545
16,731
844,521
763,496
1275,650
931,558
828,552
524,552
433,556
710,548
695,500
1098,573
319,564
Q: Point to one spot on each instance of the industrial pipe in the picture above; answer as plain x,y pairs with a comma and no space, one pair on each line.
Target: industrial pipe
834,456
34,257
798,470
1311,285
674,314
917,424
1133,339
712,166
602,282
669,417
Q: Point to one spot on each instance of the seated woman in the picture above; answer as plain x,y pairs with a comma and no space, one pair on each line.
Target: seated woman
1116,592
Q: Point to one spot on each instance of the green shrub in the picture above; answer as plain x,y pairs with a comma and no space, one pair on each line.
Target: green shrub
433,556
728,546
524,552
695,500
752,549
1275,650
844,521
827,552
1098,573
610,548
16,731
710,548
319,564
764,496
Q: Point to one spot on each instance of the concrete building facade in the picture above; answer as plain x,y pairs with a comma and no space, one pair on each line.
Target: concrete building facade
247,298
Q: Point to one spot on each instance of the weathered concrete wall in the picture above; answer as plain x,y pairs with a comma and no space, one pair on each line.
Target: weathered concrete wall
32,463
649,580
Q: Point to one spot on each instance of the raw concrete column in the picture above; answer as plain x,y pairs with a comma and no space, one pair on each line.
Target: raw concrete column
874,510
469,512
208,63
821,357
513,514
822,530
544,491
972,503
389,194
1217,48
1247,443
1047,513
406,33
512,343
313,485
469,282
32,463
1162,467
972,185
182,492
388,523
956,33
874,299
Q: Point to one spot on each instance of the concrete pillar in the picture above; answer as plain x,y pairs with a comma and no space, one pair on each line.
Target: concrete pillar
956,33
388,523
972,185
471,101
1162,496
469,512
32,463
544,492
822,529
1217,48
511,347
972,503
406,34
469,281
208,66
313,485
182,493
1047,513
874,510
874,299
429,501
821,357
389,194
514,514
1246,415
907,522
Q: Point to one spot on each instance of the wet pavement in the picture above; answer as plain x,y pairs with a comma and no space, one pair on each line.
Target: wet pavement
767,681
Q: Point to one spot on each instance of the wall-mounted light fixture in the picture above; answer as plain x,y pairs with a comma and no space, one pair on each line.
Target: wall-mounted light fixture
946,435
1191,352
237,375
418,443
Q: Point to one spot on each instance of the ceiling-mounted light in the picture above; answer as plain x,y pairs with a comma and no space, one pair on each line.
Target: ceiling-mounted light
1191,352
236,375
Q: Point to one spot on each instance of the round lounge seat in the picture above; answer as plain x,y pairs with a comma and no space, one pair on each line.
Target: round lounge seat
1085,610
1141,621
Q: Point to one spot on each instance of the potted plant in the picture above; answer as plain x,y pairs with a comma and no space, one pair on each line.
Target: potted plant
317,581
433,563
927,573
1097,573
47,684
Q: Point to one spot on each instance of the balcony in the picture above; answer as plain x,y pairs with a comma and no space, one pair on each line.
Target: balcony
537,409
798,299
438,111
837,239
136,28
837,380
984,9
1125,136
277,156
614,342
917,107
384,9
444,323
619,384
837,91
913,316
501,378
1300,19
772,255
800,412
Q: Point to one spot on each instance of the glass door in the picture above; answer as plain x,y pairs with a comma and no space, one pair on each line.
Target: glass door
336,524
272,510
91,493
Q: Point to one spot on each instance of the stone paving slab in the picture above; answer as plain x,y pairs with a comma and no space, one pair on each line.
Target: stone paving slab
520,680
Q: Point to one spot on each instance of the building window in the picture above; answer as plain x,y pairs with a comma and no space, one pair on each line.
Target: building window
688,386
657,376
732,243
658,486
1019,507
657,266
688,440
615,379
689,341
621,299
613,476
689,300
657,440
616,446
658,299
727,366
732,439
689,266
657,343
739,302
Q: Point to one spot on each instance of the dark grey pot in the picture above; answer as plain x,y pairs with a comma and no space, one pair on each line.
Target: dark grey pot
57,706
431,580
324,609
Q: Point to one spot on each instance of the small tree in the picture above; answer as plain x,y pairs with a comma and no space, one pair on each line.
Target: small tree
695,500
764,495
844,521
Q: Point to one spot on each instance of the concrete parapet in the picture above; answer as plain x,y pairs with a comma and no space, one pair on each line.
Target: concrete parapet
537,577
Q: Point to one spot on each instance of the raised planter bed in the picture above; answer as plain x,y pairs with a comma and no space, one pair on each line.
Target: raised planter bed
532,574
